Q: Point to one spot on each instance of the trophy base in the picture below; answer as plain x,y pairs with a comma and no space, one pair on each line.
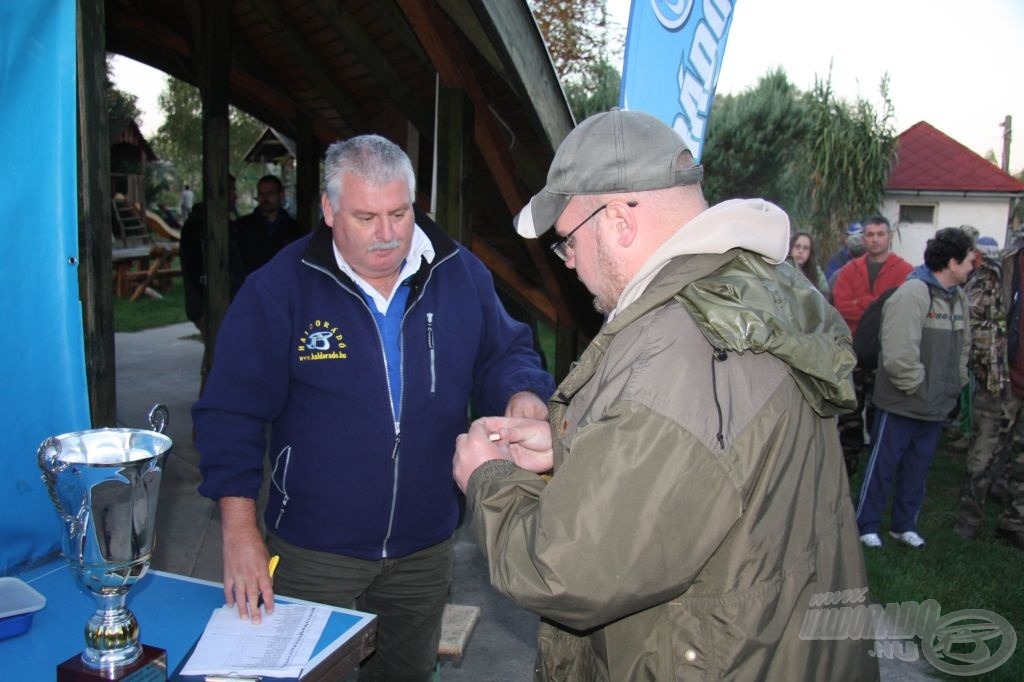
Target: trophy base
151,667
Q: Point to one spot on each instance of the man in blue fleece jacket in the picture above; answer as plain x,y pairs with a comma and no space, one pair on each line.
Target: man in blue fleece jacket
361,345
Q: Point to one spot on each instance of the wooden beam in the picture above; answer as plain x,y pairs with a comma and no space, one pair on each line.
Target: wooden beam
213,56
442,46
376,62
454,139
529,67
94,234
309,62
307,174
504,270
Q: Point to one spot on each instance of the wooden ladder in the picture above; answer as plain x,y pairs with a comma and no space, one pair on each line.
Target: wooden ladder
130,229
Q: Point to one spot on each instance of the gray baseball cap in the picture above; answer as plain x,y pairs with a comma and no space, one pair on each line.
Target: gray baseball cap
612,152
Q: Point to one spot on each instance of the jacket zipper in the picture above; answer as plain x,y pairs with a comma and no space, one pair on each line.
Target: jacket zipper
430,345
286,453
387,379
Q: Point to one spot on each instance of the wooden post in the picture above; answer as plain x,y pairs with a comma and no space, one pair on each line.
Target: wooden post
95,241
214,61
452,149
307,174
1007,125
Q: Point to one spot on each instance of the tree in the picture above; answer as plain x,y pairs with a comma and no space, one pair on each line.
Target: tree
598,91
754,141
121,105
849,153
179,140
578,34
575,32
824,160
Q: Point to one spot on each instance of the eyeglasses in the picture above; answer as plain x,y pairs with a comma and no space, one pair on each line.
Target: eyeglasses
562,246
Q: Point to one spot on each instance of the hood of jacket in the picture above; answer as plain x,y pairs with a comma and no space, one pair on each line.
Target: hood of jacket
755,225
922,273
749,300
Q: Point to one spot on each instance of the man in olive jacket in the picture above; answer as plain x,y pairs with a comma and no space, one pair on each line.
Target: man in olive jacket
698,501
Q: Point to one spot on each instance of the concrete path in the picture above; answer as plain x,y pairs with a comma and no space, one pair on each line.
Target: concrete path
162,365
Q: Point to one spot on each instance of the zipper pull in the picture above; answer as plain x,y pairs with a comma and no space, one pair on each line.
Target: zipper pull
430,331
398,441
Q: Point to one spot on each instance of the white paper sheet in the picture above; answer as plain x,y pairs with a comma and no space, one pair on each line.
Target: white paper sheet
278,647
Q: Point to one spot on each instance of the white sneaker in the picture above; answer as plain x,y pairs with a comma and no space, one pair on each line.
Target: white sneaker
871,540
908,538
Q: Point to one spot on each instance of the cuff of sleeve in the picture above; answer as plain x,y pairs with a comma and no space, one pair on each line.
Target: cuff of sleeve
488,471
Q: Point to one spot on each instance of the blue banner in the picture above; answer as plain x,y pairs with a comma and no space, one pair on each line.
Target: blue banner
674,52
42,357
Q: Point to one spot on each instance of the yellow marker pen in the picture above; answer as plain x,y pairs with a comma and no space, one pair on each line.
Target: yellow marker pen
271,567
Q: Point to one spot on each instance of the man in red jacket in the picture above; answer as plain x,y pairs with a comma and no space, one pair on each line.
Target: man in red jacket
857,285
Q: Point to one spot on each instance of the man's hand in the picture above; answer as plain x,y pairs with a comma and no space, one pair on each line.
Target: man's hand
471,450
246,575
527,442
527,405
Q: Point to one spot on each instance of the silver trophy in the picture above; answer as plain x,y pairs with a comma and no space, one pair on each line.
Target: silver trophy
104,484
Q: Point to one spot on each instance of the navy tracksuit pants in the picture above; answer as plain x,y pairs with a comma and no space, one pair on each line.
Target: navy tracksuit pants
902,449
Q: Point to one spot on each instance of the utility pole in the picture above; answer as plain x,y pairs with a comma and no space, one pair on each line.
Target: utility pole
1007,125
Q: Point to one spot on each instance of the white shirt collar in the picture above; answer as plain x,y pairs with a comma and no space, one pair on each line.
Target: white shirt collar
420,248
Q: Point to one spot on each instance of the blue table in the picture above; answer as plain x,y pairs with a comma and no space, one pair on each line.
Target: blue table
172,611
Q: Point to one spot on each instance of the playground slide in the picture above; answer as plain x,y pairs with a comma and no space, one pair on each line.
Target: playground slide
160,228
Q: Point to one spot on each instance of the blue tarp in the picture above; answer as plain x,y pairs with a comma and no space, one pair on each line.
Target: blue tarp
41,346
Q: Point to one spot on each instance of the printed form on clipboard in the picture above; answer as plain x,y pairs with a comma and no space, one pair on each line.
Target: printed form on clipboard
280,646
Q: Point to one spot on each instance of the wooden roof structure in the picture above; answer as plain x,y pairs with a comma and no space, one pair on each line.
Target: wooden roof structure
271,147
357,66
465,86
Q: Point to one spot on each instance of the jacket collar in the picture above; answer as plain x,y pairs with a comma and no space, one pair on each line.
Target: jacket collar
319,253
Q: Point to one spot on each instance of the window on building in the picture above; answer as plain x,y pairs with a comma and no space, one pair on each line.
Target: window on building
917,213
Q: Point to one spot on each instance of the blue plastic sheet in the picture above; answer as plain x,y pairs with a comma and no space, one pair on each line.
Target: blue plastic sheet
44,385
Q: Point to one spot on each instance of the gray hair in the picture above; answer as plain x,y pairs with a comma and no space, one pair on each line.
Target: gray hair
375,159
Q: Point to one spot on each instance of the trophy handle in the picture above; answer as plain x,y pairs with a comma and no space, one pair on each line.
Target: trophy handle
49,450
159,417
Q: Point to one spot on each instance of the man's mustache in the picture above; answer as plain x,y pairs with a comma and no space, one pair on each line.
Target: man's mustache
384,246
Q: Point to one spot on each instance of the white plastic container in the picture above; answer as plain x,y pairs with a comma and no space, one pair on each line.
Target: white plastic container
18,603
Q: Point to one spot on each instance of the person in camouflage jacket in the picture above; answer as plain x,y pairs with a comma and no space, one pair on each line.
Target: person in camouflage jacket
994,294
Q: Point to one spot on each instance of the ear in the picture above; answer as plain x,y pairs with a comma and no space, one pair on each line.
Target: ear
325,206
624,222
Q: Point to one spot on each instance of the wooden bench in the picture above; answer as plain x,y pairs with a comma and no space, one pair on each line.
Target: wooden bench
137,268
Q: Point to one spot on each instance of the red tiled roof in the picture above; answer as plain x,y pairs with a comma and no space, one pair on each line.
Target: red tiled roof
928,159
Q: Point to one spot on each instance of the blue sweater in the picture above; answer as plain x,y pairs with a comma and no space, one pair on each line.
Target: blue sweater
299,349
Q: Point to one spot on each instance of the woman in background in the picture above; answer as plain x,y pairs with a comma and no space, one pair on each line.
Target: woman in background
801,255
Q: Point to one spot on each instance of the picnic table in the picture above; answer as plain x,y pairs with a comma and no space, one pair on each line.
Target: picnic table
148,267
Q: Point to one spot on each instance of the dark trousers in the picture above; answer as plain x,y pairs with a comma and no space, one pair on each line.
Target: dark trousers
851,425
902,450
406,594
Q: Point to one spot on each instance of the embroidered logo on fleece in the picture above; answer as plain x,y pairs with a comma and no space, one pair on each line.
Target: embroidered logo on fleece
321,341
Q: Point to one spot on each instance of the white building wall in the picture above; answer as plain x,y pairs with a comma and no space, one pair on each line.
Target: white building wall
987,214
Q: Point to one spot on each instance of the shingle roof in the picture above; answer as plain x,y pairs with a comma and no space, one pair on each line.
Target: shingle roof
928,159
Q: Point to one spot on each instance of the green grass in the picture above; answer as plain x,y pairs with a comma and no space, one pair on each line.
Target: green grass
147,313
986,573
